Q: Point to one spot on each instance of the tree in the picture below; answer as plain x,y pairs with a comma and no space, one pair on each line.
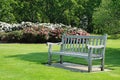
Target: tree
6,11
90,6
77,13
106,18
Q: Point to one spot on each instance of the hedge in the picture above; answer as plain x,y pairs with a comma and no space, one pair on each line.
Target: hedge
38,35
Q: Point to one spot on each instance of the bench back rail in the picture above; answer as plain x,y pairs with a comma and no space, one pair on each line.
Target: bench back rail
78,44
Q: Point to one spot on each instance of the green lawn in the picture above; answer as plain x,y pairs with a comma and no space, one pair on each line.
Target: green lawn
26,62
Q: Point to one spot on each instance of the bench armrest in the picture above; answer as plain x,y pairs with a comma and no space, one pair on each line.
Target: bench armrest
97,47
50,43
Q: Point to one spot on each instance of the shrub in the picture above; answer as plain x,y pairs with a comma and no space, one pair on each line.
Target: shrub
3,36
75,31
39,34
56,34
42,35
115,36
14,36
29,35
35,35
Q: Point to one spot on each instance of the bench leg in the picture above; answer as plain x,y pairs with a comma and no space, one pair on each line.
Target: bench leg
61,60
89,65
49,58
102,64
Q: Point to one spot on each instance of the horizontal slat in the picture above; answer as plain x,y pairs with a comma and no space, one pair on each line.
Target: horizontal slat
96,66
76,54
87,37
96,58
98,46
49,43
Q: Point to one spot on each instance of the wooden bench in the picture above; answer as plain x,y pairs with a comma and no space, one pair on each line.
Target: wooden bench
88,47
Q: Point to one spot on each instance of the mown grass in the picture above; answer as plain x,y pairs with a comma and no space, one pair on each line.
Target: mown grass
27,62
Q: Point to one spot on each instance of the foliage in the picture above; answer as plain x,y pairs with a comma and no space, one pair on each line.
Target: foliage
2,36
76,31
6,11
39,34
106,18
98,16
115,36
13,37
68,12
56,34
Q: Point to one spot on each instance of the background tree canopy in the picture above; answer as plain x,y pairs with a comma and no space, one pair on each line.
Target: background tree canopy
106,18
98,16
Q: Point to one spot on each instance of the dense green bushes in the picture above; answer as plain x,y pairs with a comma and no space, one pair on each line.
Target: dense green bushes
106,18
38,35
14,36
69,12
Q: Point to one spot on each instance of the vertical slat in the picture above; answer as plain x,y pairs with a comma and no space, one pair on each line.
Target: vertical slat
93,41
77,44
96,45
49,54
79,48
65,40
68,42
82,45
101,41
87,42
71,44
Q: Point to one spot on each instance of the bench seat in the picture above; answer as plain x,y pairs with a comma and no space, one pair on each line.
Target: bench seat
77,54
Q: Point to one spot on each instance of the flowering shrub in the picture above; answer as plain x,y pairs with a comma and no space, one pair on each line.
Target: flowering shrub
3,36
14,36
41,34
56,34
75,31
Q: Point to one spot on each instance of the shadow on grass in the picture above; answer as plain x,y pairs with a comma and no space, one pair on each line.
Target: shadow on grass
37,57
112,58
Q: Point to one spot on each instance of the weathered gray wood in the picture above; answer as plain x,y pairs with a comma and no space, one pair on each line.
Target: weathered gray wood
76,54
73,45
102,64
99,46
90,59
49,54
103,53
79,44
95,43
61,60
68,44
82,47
61,50
88,47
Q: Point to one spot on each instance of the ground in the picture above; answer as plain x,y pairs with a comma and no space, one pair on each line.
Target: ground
27,62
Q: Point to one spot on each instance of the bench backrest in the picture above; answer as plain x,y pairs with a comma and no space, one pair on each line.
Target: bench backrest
76,43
